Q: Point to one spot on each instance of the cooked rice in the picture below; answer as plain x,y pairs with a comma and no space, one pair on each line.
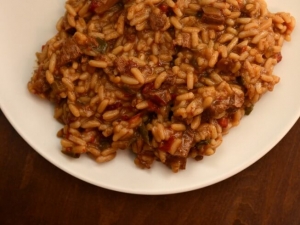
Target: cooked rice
165,79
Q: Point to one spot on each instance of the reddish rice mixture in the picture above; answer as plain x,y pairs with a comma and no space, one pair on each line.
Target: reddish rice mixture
164,79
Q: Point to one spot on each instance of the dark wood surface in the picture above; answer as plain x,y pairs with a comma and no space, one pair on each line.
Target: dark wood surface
33,191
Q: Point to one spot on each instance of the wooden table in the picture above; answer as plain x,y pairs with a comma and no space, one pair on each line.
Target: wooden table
33,191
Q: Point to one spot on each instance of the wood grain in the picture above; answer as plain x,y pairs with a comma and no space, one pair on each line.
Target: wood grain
33,191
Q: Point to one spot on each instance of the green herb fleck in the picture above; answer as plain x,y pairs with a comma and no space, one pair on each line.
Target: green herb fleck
202,143
248,110
102,45
104,144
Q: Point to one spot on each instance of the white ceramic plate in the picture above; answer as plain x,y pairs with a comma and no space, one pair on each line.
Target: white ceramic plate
26,25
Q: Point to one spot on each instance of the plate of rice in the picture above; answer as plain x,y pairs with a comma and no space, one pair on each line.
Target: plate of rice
151,96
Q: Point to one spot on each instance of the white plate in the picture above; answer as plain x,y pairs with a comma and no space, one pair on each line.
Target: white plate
26,25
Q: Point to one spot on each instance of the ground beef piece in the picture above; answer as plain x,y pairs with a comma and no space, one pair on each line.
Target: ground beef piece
158,20
237,100
159,97
186,144
219,106
69,52
130,34
100,6
213,19
146,70
121,64
229,104
38,83
170,80
225,64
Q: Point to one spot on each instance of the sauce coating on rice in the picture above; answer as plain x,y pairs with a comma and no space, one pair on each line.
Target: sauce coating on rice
164,79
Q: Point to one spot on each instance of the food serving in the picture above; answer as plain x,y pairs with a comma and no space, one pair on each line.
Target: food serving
164,79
